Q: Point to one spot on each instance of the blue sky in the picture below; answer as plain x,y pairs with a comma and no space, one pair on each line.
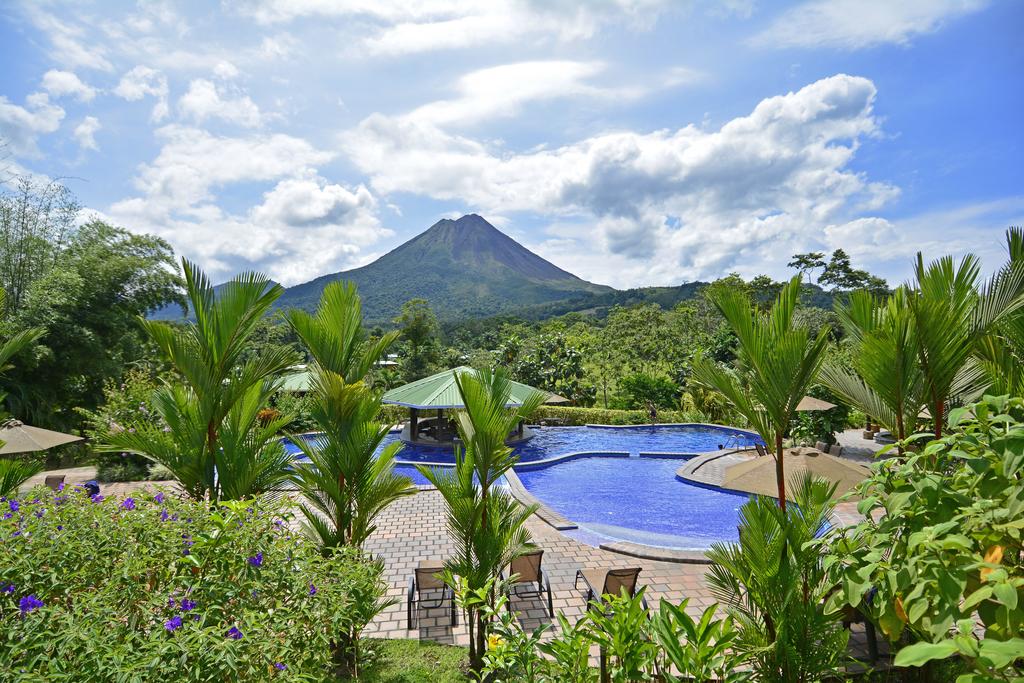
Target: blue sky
632,142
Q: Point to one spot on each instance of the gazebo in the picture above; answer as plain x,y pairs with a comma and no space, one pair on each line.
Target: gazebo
440,393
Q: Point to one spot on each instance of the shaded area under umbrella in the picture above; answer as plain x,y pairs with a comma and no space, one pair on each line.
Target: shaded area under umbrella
22,438
758,475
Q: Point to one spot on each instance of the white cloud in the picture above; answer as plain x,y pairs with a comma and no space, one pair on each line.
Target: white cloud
143,81
855,24
20,126
72,45
225,70
667,205
85,132
303,226
429,25
61,83
203,100
502,90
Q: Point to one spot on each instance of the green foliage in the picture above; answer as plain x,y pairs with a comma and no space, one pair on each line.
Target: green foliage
569,415
346,483
619,626
419,328
699,650
551,362
811,426
778,363
774,584
112,615
125,403
943,566
641,391
214,439
841,276
15,472
411,661
87,295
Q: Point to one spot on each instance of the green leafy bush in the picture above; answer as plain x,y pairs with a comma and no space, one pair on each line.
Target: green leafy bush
582,416
943,567
156,587
126,405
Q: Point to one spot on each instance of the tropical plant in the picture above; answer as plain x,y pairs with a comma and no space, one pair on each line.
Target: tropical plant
777,364
569,653
619,626
938,559
14,473
1001,352
160,587
486,525
210,406
886,380
346,483
773,583
692,649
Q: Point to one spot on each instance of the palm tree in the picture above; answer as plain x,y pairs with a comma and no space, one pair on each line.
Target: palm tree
486,524
1001,352
774,584
216,389
777,364
886,380
346,483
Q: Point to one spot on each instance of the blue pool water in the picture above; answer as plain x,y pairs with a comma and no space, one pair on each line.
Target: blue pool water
635,499
550,442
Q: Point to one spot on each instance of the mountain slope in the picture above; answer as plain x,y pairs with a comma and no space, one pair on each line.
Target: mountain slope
465,268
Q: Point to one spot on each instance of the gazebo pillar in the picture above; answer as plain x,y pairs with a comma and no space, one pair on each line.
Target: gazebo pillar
520,429
414,431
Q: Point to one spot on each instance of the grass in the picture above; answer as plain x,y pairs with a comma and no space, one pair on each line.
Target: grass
413,661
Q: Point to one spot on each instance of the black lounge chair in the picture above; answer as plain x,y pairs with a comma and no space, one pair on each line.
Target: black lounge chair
426,577
526,571
612,582
761,450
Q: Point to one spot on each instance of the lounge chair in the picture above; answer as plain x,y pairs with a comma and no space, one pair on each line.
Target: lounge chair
611,581
426,577
526,570
821,446
835,449
761,450
54,481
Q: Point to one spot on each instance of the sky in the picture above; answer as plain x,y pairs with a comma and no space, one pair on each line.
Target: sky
631,142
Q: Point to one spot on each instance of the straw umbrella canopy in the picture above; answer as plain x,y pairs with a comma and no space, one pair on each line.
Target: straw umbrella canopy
810,404
758,475
22,438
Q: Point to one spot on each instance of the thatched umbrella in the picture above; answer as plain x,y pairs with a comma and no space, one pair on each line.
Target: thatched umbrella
758,475
22,438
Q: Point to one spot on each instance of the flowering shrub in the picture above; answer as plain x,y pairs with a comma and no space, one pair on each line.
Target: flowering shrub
155,586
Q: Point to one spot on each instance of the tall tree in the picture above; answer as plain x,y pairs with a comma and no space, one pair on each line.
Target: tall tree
419,327
13,472
777,363
210,406
346,484
806,263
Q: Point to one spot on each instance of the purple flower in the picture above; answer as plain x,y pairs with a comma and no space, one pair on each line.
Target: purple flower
9,588
234,633
128,504
173,624
279,666
15,506
39,513
312,590
60,487
164,515
256,560
187,605
29,603
8,515
170,602
60,527
159,498
97,498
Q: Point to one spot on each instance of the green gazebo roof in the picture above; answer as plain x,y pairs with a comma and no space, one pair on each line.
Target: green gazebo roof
440,391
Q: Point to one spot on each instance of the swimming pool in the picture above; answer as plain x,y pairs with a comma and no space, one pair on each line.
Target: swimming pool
635,499
632,498
551,442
